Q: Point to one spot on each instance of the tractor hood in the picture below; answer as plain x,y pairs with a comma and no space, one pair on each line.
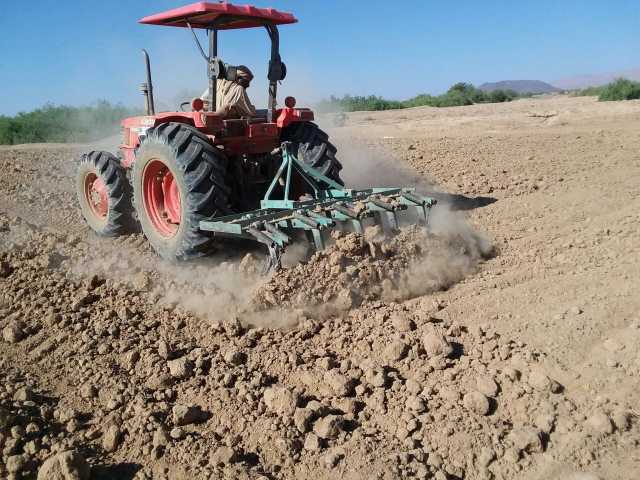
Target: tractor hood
228,16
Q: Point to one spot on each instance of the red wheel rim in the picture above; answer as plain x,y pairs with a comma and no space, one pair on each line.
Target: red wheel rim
95,192
161,198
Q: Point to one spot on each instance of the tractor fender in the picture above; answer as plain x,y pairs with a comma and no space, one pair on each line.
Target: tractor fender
135,128
286,116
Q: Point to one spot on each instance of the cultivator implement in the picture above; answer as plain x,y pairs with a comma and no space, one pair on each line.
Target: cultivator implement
330,206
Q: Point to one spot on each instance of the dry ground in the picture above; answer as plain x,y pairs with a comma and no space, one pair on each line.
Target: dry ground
145,370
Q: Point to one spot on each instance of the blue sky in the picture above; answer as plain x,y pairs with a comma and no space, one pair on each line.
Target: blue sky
77,51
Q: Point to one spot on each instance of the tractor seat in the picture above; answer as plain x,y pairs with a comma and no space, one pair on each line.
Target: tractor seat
236,127
259,117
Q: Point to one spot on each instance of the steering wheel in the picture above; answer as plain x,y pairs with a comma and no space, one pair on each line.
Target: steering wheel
196,104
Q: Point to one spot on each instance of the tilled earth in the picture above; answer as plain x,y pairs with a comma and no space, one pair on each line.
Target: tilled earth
502,344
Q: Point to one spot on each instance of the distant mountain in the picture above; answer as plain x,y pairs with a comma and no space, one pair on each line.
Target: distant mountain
520,86
595,80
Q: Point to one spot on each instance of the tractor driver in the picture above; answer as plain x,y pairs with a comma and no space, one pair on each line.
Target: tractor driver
232,100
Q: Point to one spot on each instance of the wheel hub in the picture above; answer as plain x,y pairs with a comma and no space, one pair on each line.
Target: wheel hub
161,198
95,192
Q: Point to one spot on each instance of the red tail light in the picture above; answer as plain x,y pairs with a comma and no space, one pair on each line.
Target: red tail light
197,104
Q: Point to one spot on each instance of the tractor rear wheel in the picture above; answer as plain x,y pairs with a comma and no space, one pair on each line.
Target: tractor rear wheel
179,179
104,194
312,146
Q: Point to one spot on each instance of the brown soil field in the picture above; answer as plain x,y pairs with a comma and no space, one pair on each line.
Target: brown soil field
501,343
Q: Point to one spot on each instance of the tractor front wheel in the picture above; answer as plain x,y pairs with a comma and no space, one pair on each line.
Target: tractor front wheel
178,180
104,194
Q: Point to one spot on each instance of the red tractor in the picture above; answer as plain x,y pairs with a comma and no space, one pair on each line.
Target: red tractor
186,177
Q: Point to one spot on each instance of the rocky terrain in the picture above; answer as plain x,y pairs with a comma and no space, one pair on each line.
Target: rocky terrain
501,344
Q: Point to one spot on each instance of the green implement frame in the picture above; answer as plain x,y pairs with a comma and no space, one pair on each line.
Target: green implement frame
330,203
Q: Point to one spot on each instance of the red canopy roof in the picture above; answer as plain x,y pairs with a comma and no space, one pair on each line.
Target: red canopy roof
201,14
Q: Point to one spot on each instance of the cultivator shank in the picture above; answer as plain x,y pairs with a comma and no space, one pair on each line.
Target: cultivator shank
331,206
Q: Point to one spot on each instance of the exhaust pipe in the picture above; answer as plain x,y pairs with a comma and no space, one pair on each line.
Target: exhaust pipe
147,88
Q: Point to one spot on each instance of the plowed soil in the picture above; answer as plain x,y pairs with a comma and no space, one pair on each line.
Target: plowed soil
501,343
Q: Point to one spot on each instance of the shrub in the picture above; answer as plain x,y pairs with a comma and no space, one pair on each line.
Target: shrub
587,92
620,89
497,96
421,101
350,103
63,124
459,94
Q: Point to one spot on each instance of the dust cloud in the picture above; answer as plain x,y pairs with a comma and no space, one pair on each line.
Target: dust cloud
450,250
365,167
214,288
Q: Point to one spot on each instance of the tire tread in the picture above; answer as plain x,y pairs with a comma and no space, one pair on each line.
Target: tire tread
203,167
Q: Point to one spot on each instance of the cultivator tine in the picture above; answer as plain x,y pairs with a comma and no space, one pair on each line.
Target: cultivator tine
275,250
312,222
383,209
382,205
346,211
357,227
277,234
343,213
414,198
260,236
275,259
392,218
322,220
422,204
317,239
305,221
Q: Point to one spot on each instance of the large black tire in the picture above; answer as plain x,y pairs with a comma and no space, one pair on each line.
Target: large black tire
199,171
312,146
104,194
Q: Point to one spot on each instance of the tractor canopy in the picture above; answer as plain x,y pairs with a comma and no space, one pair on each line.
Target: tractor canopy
225,15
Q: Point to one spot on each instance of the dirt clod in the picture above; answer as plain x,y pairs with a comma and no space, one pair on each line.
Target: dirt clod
111,438
487,386
395,351
187,414
600,423
67,465
328,427
435,344
180,368
13,333
527,440
477,403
